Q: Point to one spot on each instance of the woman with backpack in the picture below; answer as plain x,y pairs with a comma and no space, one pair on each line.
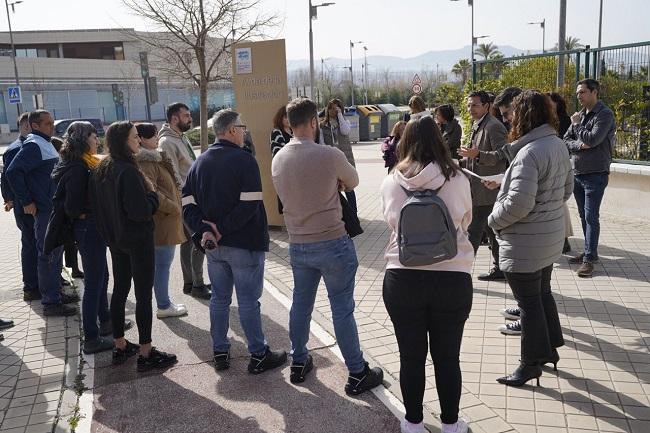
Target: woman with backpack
390,143
528,220
429,302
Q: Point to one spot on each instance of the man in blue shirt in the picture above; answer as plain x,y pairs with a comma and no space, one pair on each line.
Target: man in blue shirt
24,222
30,177
223,207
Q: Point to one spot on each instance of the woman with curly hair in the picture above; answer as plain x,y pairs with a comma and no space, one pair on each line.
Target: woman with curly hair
528,220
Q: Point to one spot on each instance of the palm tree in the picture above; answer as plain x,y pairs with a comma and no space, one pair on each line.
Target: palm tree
461,69
487,50
570,43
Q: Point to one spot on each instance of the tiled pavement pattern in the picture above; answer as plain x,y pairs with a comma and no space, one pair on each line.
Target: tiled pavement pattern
604,378
603,383
39,356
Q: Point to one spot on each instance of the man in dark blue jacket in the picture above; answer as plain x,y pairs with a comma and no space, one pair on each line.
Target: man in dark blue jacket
223,207
29,175
590,140
24,222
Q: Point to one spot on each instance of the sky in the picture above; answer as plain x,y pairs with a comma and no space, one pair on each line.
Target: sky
403,28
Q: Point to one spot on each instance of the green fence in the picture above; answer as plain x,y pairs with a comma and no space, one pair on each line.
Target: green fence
624,74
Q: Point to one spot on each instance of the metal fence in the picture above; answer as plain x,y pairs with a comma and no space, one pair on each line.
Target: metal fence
624,74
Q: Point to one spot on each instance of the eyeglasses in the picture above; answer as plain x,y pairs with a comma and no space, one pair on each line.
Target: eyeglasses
241,126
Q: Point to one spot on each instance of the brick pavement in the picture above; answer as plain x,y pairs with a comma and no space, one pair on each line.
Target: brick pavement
603,383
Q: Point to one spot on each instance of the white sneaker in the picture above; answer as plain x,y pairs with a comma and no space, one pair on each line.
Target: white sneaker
174,310
409,427
459,426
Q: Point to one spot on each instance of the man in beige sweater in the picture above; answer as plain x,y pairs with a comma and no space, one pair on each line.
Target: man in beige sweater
308,177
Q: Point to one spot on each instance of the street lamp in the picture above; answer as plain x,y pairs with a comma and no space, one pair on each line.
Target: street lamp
313,14
352,72
365,75
19,106
542,24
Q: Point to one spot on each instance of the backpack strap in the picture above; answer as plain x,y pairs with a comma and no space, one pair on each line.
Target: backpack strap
412,193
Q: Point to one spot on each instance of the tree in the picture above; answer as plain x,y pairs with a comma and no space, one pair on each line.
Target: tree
570,43
487,50
461,69
196,39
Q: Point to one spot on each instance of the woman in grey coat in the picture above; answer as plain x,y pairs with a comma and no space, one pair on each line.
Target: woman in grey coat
528,219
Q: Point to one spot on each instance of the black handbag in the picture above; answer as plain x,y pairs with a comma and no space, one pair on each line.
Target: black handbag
350,218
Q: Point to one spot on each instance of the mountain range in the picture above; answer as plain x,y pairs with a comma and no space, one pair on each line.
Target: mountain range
445,59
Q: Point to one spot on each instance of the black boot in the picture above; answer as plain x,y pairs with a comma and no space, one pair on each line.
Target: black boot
553,359
522,374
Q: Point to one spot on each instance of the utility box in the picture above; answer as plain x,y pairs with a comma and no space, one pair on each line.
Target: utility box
369,122
391,116
352,117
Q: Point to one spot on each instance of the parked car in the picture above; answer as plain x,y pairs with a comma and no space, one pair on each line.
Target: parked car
61,125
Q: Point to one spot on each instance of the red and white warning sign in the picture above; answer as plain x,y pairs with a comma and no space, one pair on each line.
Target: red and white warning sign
417,89
416,79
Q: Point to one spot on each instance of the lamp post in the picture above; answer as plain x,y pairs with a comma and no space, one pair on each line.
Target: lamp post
313,14
470,3
365,75
542,24
19,106
352,72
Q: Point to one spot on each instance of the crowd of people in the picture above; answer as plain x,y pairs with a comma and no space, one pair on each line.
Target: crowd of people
509,184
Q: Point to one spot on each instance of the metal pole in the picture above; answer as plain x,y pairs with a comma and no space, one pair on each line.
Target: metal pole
471,3
365,75
561,44
600,24
351,76
146,95
311,52
544,35
19,106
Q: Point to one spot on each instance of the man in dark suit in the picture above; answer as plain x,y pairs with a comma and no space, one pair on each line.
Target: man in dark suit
488,135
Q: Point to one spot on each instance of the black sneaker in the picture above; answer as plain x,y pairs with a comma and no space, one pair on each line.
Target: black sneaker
156,359
121,355
361,382
201,292
6,324
511,328
221,361
69,298
269,360
187,288
32,295
59,310
106,328
99,344
511,313
299,370
494,275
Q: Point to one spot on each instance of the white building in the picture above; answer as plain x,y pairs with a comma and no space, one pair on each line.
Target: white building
74,70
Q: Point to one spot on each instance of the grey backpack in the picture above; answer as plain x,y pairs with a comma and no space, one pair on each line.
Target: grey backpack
426,232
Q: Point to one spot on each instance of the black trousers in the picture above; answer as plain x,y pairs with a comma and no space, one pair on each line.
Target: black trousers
428,310
541,331
478,226
138,263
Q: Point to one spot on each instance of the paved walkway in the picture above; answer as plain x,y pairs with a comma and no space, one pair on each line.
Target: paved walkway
602,385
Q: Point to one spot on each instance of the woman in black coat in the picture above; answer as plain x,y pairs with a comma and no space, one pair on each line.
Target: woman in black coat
125,202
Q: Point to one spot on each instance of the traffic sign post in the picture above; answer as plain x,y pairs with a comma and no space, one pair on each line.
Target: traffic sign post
144,70
15,95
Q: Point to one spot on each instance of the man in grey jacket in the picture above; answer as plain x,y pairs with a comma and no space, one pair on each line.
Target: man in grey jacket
590,140
179,149
488,135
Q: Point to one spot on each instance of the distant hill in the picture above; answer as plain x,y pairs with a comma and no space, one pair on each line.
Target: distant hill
445,60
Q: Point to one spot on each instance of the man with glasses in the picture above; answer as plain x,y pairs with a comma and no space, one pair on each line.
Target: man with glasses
590,140
224,208
307,177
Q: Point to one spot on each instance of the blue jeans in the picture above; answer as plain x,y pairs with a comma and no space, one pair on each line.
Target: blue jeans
28,251
228,266
93,258
336,262
164,259
49,265
588,190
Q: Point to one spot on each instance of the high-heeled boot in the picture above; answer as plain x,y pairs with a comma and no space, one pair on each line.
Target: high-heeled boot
553,359
523,373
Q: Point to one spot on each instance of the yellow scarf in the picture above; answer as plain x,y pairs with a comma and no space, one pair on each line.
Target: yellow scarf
91,160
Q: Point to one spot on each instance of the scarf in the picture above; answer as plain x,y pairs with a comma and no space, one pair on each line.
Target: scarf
90,160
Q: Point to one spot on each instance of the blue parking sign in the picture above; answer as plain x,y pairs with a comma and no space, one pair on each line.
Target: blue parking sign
15,95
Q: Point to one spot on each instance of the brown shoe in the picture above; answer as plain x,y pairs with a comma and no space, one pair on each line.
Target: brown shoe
585,270
577,259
